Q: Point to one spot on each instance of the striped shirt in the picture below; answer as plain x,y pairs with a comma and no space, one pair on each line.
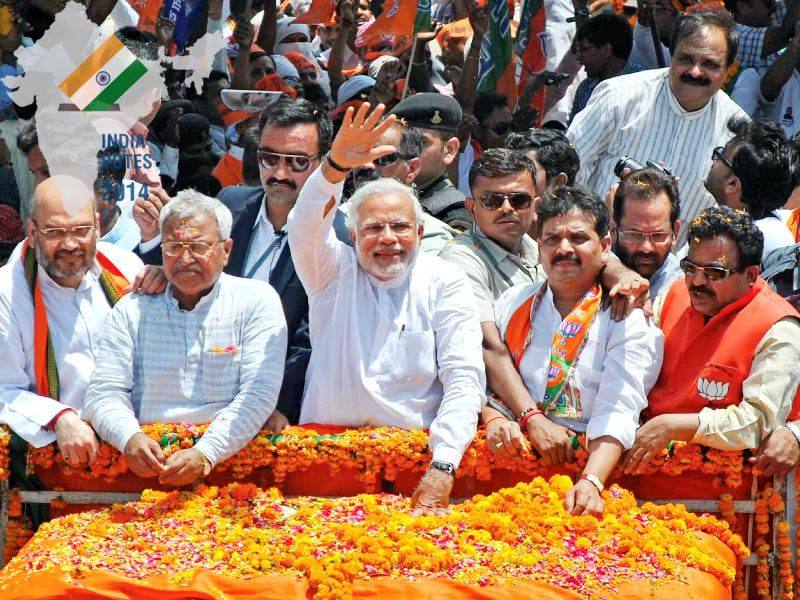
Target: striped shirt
221,362
637,115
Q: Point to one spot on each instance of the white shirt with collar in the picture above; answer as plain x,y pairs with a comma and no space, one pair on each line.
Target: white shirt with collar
404,353
75,318
264,239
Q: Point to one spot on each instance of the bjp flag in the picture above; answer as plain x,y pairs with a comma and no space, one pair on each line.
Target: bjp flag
529,46
397,18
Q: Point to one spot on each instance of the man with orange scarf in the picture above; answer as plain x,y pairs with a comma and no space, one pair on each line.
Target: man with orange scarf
54,298
587,372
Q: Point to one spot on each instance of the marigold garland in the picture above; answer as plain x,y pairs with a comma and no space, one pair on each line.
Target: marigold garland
517,533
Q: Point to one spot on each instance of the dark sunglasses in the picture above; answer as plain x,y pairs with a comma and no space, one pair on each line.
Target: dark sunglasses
710,273
718,154
297,163
495,200
385,161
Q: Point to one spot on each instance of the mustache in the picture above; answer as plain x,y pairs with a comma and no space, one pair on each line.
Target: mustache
194,267
507,217
287,182
702,290
698,81
76,253
565,258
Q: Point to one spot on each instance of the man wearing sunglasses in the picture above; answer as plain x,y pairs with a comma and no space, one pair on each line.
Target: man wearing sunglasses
395,331
756,171
210,348
645,226
731,346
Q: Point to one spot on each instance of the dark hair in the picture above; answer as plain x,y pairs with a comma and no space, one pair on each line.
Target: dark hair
411,142
143,44
250,171
646,184
608,28
286,112
689,23
27,137
765,163
565,199
204,183
499,162
736,225
553,150
108,169
488,102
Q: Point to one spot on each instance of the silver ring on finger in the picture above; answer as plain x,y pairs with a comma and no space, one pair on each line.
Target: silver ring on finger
499,444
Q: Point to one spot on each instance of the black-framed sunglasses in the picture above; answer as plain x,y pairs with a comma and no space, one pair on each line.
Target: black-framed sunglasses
719,154
297,163
495,200
385,161
710,273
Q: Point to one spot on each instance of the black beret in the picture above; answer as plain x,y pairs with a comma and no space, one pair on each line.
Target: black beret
429,111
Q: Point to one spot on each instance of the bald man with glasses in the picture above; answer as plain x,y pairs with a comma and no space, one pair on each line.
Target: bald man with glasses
731,346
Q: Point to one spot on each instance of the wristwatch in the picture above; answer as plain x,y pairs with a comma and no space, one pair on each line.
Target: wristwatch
206,465
444,466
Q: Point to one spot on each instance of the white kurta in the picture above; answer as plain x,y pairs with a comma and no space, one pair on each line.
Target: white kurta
637,115
75,318
619,364
406,353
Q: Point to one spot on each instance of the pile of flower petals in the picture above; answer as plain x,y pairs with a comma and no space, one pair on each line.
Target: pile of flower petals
242,531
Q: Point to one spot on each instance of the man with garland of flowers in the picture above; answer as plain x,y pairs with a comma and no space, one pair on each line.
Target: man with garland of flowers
587,372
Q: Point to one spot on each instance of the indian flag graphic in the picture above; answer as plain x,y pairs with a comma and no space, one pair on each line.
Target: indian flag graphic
103,77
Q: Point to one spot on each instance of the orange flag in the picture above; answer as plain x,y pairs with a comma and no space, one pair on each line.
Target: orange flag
397,18
148,13
320,11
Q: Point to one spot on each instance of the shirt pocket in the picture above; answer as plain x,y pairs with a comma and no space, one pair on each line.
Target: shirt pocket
220,373
413,357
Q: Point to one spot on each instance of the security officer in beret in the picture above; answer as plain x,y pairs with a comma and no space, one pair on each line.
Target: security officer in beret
437,117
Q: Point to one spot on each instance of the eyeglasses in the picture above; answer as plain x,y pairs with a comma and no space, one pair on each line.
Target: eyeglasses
385,161
56,234
397,227
501,128
710,273
297,163
495,200
718,154
196,249
637,237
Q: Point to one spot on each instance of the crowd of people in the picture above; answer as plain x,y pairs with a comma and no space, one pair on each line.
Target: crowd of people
377,243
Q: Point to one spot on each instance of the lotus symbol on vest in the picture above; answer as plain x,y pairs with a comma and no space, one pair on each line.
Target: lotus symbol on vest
711,390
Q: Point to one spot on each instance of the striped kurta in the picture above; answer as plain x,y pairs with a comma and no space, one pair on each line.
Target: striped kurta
638,116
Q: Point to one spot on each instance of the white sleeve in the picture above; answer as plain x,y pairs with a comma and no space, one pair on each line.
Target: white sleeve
592,130
747,93
315,250
108,400
634,352
459,343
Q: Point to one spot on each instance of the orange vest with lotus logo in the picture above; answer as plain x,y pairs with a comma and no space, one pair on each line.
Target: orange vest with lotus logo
706,363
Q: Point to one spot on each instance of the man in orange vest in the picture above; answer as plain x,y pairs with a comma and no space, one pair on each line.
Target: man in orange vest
731,346
585,371
54,297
